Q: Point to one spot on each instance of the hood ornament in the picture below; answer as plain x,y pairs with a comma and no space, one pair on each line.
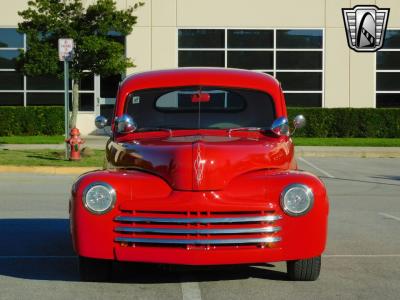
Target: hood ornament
198,166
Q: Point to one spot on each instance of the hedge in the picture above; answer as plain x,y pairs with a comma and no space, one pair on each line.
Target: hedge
31,120
321,122
349,122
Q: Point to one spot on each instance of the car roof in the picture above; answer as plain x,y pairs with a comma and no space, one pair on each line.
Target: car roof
201,75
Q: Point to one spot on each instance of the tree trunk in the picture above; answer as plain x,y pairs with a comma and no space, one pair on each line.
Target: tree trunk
75,104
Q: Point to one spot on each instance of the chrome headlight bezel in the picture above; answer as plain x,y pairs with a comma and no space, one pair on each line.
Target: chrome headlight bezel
111,192
307,191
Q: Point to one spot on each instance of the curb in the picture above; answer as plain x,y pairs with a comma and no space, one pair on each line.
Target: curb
47,170
349,152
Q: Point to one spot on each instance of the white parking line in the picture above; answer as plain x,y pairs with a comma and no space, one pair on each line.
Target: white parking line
316,168
190,291
361,255
388,216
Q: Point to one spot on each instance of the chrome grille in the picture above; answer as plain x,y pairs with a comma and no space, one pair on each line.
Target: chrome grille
211,229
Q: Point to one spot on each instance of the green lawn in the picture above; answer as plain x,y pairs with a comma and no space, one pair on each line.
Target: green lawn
56,157
43,139
351,142
48,158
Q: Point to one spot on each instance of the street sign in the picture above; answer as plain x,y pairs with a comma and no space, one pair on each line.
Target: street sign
65,49
65,54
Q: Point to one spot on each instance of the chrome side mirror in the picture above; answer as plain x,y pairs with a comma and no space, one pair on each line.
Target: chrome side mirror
100,122
299,121
280,126
125,124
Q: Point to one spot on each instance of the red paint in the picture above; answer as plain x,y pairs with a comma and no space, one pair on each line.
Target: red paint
201,174
75,142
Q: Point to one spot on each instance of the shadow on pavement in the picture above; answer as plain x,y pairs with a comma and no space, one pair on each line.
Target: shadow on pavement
41,249
38,249
148,273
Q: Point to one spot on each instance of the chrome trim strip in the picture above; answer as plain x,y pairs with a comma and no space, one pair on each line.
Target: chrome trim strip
269,229
199,242
270,218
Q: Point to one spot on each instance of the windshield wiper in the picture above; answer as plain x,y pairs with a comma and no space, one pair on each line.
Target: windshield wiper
147,129
245,129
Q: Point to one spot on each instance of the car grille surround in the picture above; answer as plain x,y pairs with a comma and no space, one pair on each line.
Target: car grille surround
205,230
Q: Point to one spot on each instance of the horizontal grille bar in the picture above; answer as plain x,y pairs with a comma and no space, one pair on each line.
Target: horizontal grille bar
198,241
269,229
271,218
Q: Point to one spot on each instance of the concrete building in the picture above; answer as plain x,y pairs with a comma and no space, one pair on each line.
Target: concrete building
302,43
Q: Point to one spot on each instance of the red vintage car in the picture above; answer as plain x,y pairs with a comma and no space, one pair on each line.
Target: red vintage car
200,171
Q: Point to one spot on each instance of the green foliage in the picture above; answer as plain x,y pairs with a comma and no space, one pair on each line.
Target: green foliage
321,122
349,122
31,120
93,29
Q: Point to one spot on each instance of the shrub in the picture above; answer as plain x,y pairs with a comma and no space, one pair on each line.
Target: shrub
321,122
31,120
349,122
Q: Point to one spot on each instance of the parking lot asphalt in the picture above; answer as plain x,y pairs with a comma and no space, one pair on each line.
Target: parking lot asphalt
362,259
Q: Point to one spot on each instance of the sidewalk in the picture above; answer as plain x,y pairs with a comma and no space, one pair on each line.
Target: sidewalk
99,143
95,142
363,152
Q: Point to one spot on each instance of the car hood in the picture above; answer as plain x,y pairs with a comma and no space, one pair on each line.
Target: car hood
201,162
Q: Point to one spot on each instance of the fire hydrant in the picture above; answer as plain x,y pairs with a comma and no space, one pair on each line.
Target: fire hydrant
74,142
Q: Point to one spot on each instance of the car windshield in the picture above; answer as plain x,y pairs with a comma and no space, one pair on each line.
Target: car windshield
200,108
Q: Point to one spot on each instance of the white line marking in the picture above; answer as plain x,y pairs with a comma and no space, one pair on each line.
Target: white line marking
35,256
190,291
389,216
316,168
361,255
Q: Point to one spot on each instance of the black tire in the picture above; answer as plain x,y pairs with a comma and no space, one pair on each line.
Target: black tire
304,269
95,270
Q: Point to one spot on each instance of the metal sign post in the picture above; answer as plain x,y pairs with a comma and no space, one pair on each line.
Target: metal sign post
65,54
66,105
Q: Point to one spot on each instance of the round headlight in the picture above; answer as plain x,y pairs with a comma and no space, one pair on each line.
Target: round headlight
99,197
297,199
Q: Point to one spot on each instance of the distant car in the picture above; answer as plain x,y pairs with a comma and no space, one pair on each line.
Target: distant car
200,171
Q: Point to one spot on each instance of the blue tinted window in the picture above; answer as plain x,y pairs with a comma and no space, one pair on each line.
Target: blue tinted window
303,99
10,38
8,59
387,100
11,99
392,39
11,80
259,60
239,38
299,38
201,38
201,58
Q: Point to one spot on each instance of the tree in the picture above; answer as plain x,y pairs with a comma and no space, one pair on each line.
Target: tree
93,30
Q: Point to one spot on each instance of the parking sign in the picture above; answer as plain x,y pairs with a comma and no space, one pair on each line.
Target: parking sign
65,49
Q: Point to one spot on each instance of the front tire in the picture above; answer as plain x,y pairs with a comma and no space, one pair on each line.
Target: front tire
304,269
95,270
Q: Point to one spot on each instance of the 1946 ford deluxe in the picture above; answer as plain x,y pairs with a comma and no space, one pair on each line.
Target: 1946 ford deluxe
200,171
